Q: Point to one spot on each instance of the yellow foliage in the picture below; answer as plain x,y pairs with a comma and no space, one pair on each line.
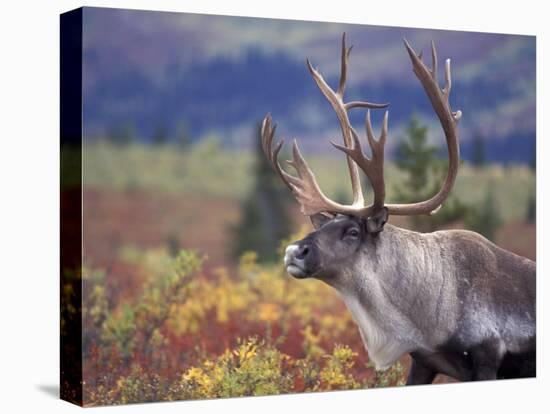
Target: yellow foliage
269,312
179,301
336,373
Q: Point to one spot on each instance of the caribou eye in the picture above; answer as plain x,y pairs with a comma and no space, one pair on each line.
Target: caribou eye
353,232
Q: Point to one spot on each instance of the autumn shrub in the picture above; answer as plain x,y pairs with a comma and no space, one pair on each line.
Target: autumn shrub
191,333
252,368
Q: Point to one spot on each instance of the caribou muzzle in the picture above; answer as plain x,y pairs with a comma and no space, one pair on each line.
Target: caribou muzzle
297,261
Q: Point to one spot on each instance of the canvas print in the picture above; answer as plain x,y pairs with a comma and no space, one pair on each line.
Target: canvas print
259,206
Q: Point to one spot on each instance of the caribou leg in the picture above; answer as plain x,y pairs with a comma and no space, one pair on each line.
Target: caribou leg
486,359
420,373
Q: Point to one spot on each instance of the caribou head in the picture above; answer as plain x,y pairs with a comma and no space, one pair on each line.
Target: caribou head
341,228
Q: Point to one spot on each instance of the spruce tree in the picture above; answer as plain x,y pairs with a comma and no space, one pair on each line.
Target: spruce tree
183,138
478,150
160,135
122,134
425,173
265,219
485,219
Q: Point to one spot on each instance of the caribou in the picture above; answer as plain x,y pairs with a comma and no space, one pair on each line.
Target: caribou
458,304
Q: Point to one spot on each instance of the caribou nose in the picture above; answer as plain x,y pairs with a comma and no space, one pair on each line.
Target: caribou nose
295,259
303,250
296,252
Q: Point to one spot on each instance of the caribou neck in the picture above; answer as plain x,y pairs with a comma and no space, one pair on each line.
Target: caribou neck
399,301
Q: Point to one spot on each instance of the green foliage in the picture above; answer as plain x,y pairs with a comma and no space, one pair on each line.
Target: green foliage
341,196
394,376
264,218
96,308
424,176
252,368
118,330
531,213
135,325
200,169
336,373
415,156
183,138
137,386
479,158
160,135
122,134
227,174
485,218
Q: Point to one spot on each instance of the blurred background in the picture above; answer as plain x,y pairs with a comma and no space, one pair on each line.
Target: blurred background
172,166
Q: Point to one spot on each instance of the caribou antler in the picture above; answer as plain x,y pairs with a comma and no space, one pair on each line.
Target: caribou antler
336,100
439,99
305,187
373,167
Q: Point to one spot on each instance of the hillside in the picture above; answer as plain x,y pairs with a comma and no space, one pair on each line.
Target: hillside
172,73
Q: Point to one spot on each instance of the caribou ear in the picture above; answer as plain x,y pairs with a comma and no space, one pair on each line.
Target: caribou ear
375,223
319,219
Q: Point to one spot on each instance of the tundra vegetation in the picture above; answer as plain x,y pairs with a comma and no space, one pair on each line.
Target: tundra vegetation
180,300
178,331
169,313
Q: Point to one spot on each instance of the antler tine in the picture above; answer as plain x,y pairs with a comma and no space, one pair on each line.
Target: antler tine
341,108
372,167
363,104
384,132
434,62
304,186
439,98
267,136
272,154
370,133
448,83
344,67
